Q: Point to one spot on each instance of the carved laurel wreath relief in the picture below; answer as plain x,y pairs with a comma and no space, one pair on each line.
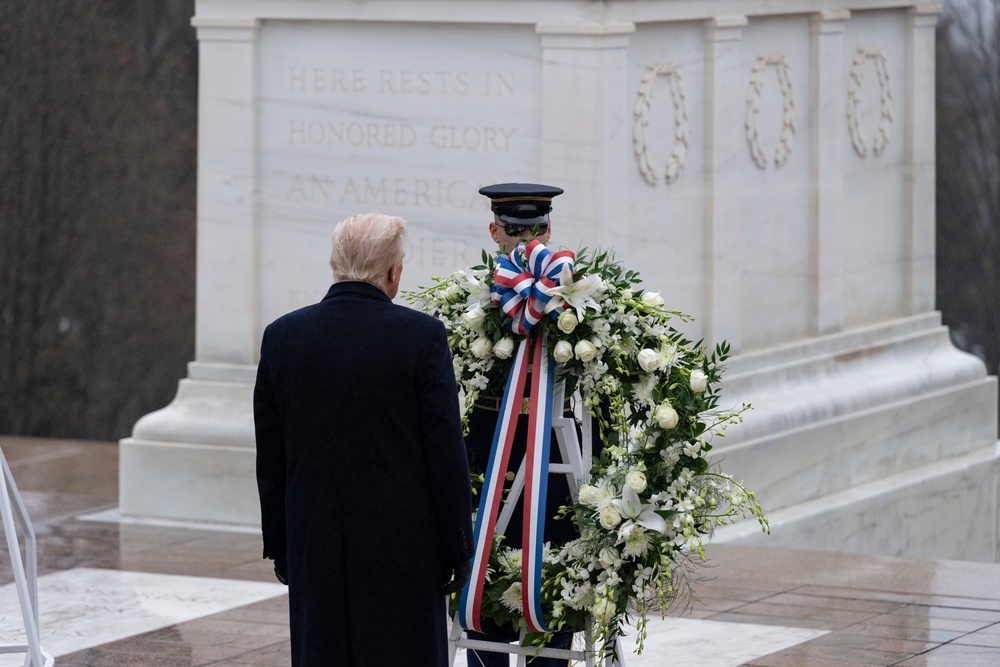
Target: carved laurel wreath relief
854,99
784,148
640,127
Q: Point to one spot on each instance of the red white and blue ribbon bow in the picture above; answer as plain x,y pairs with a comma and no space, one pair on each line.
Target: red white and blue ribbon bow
516,289
521,282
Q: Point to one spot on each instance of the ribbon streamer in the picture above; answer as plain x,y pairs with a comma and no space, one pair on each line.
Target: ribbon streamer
492,492
536,484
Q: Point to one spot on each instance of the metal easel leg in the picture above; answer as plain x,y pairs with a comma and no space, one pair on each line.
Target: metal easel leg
25,572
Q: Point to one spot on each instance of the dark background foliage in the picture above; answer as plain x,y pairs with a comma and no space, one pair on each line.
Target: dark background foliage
98,120
98,123
968,176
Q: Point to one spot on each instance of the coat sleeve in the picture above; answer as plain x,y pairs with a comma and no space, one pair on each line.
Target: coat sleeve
444,448
270,462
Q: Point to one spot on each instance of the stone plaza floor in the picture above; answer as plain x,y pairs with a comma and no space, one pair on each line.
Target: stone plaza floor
115,593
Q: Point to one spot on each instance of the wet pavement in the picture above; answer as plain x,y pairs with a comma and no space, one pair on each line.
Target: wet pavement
862,609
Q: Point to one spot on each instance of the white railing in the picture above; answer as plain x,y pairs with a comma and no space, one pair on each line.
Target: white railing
25,571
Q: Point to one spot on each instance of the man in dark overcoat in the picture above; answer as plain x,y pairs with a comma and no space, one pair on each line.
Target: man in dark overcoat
361,465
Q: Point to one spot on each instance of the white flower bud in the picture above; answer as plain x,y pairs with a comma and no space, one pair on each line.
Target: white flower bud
482,348
610,518
563,352
637,480
666,416
652,299
603,610
585,350
649,360
504,348
567,321
699,381
473,318
589,495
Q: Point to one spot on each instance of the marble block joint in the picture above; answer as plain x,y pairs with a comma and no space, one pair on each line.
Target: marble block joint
770,172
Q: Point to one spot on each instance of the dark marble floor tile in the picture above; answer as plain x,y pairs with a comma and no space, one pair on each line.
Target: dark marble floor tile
929,623
795,614
847,638
783,660
961,613
831,602
954,655
923,634
738,617
811,653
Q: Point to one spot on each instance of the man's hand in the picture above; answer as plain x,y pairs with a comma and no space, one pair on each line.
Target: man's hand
462,571
281,570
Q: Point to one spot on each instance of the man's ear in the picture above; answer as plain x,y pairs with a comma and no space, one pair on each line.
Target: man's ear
495,232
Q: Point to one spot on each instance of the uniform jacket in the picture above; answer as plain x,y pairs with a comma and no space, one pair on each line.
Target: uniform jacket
363,477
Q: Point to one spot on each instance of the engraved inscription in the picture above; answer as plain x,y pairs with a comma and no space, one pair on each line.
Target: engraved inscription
326,80
335,80
383,191
425,82
437,252
398,135
471,137
355,134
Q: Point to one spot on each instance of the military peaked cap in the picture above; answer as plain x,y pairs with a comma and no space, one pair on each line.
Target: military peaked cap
521,203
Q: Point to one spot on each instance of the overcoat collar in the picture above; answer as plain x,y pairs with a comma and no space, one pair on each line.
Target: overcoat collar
356,287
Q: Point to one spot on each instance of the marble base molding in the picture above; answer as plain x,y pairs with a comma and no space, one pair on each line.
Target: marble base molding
195,459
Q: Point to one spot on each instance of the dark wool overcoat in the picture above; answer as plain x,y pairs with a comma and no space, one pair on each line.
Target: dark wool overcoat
363,477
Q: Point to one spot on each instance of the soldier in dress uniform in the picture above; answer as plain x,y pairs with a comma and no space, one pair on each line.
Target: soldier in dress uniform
520,214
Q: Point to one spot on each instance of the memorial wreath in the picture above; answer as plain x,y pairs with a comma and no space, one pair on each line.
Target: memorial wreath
653,498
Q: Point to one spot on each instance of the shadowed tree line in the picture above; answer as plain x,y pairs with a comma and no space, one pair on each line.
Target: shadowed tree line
968,176
98,112
98,116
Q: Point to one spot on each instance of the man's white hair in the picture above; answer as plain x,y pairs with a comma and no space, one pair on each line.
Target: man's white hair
365,246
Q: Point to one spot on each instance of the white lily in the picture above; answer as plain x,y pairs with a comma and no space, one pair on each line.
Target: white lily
580,295
637,513
476,287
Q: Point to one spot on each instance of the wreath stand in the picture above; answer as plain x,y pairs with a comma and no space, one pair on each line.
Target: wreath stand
576,458
25,572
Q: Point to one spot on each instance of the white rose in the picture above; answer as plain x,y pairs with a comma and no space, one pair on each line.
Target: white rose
589,495
563,352
699,381
603,610
585,350
482,347
649,360
567,321
652,299
473,318
504,348
637,480
666,416
610,518
609,558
